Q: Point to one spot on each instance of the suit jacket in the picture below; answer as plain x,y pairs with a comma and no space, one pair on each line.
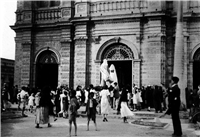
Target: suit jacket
174,99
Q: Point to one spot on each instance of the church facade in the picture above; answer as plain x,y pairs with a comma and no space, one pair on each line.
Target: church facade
65,42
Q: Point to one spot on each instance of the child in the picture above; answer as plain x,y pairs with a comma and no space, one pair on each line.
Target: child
73,107
62,103
91,110
31,102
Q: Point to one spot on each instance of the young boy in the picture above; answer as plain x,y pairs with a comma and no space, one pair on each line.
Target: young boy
73,107
91,110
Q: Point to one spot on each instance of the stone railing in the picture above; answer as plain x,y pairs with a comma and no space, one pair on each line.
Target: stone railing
48,14
117,5
194,5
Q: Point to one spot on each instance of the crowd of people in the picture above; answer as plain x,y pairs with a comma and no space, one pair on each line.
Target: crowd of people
64,101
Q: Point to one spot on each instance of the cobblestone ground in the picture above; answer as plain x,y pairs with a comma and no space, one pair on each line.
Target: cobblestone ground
25,127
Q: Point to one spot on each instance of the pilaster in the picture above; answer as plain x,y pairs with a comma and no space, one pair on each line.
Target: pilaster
153,53
25,70
82,9
80,62
136,76
97,71
64,67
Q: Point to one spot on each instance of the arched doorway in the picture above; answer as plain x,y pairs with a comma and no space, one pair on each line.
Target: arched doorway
196,69
47,70
121,57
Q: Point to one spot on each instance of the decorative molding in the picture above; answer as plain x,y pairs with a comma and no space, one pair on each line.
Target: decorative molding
155,35
81,38
112,41
97,61
26,43
137,60
118,21
65,40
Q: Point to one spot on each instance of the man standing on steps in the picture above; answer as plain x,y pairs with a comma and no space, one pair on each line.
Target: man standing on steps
174,105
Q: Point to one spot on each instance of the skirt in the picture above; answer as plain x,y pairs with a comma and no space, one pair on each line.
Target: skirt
105,107
37,119
42,115
125,111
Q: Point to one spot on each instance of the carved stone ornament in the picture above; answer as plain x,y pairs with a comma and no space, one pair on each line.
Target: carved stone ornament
66,13
81,8
118,52
96,39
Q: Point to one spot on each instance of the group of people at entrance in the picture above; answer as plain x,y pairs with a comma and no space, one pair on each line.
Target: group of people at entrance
65,102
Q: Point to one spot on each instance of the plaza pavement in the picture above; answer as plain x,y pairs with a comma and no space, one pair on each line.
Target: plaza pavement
188,128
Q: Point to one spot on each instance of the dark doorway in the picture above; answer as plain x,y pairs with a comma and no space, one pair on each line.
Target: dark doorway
47,75
124,71
196,74
47,70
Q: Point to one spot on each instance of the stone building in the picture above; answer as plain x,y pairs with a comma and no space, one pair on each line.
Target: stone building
7,72
65,42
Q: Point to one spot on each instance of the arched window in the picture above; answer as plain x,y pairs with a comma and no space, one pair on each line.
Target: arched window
118,52
47,57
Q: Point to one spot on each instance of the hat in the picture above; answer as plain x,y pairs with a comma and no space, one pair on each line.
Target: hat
175,79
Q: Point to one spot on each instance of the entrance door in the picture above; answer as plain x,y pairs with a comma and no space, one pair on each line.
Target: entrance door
47,75
196,74
124,72
47,70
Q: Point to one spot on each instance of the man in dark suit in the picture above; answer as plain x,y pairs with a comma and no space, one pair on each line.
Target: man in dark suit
174,105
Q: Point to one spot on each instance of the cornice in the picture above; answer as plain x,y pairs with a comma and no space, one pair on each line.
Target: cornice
26,43
80,38
64,40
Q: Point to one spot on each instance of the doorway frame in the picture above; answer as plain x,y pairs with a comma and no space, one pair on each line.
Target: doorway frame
136,62
38,53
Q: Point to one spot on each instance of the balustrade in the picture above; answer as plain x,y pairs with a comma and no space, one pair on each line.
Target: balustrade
194,4
46,14
117,5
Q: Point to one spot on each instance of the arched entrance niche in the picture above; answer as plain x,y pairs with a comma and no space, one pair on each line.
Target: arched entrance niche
124,56
196,66
46,69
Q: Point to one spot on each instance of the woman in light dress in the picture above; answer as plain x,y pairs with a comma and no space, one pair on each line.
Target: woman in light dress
135,101
125,111
105,105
